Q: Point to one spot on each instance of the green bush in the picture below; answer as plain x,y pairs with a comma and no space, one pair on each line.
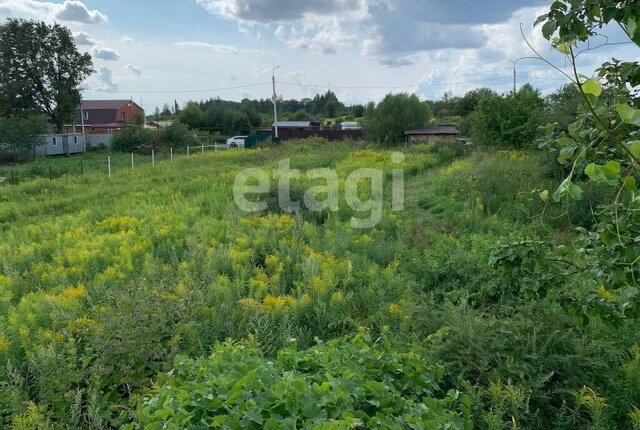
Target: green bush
177,135
340,384
131,139
510,121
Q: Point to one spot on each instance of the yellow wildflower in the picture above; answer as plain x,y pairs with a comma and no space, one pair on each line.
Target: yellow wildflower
319,285
4,343
395,309
75,292
337,297
275,303
248,303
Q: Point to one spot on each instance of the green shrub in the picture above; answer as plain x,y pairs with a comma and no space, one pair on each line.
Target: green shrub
340,384
131,139
177,135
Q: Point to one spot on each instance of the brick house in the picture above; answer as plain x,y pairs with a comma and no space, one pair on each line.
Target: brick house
105,116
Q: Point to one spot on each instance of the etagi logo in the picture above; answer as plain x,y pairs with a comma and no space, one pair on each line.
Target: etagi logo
363,190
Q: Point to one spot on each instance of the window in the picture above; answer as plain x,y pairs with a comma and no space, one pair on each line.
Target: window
122,116
54,141
75,140
86,115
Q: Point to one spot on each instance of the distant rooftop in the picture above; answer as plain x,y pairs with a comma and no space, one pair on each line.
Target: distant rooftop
292,124
104,104
439,130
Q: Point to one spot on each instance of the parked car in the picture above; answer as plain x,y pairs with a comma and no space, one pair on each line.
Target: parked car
236,141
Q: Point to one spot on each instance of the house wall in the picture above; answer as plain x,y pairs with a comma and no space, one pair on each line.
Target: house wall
127,113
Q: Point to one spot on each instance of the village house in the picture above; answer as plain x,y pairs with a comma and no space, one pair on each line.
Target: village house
105,116
446,133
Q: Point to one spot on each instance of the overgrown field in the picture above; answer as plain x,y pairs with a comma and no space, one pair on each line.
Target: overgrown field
148,300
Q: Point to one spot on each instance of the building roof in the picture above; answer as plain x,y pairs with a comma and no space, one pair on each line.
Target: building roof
292,124
103,104
433,131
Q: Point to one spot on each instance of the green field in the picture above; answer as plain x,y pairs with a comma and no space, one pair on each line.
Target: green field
149,300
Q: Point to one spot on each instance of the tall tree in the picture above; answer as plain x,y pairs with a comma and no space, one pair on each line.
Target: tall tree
510,121
396,113
41,70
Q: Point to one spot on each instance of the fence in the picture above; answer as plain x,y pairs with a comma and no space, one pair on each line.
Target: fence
98,140
94,162
293,133
215,146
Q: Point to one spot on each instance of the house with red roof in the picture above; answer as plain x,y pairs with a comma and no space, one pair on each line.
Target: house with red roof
105,116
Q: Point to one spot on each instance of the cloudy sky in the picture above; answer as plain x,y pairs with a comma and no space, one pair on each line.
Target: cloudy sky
156,51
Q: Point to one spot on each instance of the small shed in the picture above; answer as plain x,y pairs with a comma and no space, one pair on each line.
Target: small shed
442,132
61,144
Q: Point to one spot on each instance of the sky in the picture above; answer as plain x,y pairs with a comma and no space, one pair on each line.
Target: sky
158,51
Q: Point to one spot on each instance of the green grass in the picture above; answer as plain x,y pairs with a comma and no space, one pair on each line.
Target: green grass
105,281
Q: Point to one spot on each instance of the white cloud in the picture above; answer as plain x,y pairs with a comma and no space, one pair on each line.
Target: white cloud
127,40
105,76
136,70
215,47
258,11
106,53
83,38
69,11
222,49
76,11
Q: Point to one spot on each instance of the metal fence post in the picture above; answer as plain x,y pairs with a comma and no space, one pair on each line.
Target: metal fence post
188,150
132,162
109,164
171,152
153,157
203,148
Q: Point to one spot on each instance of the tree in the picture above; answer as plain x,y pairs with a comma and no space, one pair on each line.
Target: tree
166,111
177,135
600,149
41,71
191,115
468,103
510,121
396,113
138,119
176,107
19,136
563,106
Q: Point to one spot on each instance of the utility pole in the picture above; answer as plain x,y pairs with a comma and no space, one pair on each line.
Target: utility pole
515,88
84,136
275,102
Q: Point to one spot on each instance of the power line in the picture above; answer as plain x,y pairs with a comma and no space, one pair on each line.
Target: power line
186,91
443,84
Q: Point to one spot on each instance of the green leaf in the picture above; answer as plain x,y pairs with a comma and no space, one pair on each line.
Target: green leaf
606,174
634,148
544,195
563,47
566,151
630,183
549,28
628,114
592,87
631,26
568,189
